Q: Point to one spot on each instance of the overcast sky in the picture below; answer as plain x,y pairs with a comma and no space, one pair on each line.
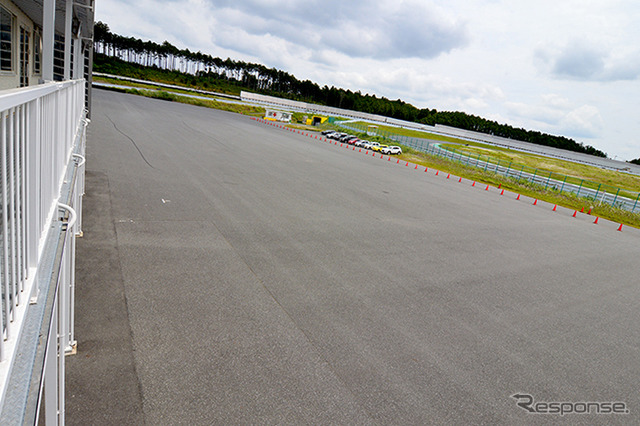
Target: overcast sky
565,67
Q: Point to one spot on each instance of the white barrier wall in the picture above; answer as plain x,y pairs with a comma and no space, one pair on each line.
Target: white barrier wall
446,130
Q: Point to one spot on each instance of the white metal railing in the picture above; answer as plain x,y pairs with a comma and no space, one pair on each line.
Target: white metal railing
42,141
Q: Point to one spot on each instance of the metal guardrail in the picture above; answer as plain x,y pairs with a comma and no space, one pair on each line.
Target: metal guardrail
595,191
42,142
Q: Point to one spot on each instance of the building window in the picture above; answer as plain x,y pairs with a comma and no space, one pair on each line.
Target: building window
6,35
37,55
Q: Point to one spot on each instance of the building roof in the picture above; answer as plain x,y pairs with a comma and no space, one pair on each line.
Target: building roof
83,12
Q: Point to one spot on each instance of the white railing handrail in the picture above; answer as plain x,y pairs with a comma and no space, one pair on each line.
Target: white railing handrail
14,97
42,137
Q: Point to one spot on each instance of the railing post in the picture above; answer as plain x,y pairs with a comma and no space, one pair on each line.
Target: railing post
67,39
48,24
595,197
5,237
51,372
549,179
563,182
615,198
580,187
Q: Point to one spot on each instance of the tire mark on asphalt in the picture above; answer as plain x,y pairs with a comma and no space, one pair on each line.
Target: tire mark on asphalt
207,135
132,141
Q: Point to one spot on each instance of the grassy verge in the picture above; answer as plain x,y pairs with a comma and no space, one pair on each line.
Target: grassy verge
132,84
250,110
123,83
400,131
304,127
578,171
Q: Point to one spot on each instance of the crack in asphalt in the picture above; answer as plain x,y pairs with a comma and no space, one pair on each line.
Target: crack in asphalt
132,141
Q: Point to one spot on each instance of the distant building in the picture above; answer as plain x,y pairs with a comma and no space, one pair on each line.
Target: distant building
316,119
274,115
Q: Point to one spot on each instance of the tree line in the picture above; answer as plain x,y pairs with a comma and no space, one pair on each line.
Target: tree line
271,81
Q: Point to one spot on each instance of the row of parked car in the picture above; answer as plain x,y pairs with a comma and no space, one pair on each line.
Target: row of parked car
354,140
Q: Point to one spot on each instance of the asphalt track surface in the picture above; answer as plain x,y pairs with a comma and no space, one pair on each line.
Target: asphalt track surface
232,272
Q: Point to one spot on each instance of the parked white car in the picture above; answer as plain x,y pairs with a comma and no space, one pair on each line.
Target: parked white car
389,150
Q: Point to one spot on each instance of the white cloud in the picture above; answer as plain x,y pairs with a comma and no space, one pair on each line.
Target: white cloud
584,121
556,101
583,60
382,30
556,115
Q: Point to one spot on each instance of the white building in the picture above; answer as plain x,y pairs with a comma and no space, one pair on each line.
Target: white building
38,45
275,115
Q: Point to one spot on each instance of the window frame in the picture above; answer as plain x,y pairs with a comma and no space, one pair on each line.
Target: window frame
12,25
24,55
37,52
